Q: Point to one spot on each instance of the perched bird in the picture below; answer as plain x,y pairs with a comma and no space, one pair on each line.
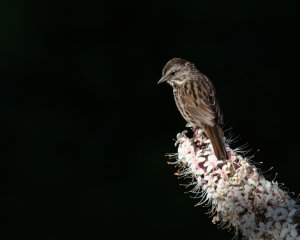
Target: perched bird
195,97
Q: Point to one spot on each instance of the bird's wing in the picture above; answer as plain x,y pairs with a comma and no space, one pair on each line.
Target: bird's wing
202,114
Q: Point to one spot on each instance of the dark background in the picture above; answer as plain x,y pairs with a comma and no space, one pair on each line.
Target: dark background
84,127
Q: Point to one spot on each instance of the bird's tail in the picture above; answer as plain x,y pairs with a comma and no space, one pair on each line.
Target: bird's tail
216,136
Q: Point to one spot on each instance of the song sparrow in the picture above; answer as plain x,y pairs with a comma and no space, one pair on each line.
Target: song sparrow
196,100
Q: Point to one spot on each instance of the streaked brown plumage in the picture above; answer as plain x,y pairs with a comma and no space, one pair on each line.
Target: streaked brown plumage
196,100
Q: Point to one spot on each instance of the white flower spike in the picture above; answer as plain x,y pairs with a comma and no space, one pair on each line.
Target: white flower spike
239,196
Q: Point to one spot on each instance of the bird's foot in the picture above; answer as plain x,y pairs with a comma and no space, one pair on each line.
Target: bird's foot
197,135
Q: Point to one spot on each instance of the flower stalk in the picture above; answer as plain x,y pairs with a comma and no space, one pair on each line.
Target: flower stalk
239,196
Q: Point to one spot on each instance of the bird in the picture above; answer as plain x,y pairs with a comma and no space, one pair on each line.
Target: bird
195,98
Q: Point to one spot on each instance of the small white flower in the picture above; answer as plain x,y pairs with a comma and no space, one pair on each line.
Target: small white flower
211,193
210,180
212,163
224,171
199,156
199,171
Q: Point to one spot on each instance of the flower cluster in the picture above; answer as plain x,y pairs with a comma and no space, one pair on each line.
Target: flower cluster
239,196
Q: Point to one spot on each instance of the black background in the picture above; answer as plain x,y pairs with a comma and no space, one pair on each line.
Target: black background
84,127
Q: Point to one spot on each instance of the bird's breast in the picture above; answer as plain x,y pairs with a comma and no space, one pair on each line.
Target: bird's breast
180,103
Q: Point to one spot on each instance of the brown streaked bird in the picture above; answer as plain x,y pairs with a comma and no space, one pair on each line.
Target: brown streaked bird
195,98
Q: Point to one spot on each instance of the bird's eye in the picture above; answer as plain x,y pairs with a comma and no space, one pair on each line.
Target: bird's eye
172,73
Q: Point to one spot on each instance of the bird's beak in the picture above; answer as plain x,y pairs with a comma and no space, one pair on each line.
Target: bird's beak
163,79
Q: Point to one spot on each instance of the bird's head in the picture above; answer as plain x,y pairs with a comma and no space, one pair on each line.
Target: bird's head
176,72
